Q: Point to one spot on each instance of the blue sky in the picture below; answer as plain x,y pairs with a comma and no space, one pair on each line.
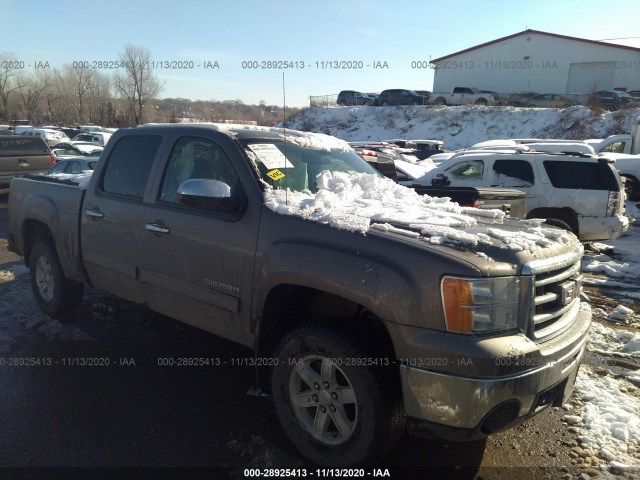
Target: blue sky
310,33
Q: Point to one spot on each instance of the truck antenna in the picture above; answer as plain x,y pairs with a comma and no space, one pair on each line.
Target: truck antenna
284,129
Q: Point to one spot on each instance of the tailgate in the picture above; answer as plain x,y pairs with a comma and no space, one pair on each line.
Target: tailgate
509,200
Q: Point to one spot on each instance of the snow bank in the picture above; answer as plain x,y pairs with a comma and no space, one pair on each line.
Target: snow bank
462,126
617,342
356,202
608,421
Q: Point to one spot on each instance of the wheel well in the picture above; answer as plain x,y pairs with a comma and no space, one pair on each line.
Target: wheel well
289,306
33,232
566,214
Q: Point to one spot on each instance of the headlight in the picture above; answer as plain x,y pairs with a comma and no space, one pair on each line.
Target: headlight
481,305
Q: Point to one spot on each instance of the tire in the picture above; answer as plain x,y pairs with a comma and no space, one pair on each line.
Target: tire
362,417
55,294
481,101
385,104
440,101
632,188
342,103
415,102
559,223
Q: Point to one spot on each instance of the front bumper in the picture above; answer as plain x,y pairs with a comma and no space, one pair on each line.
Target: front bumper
463,408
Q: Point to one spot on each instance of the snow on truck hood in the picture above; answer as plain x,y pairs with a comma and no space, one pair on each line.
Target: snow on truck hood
360,202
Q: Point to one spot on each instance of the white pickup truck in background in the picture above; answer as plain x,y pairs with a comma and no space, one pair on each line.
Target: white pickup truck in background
627,143
463,96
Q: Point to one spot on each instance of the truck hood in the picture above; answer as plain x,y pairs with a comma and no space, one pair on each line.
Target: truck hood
370,204
511,242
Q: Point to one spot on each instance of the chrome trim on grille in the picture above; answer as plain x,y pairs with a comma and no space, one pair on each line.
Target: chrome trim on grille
552,309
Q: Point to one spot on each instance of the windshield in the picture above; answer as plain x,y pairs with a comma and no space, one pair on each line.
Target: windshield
288,165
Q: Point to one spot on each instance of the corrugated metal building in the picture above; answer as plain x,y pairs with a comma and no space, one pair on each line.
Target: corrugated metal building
535,61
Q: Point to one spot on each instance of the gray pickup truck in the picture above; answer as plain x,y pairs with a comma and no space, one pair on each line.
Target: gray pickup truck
366,316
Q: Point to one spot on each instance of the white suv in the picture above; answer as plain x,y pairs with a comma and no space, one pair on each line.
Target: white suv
580,191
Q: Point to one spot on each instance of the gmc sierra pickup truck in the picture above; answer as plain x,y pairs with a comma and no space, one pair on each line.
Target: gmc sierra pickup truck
369,307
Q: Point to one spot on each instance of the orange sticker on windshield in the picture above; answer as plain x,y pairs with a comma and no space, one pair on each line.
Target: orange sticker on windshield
275,174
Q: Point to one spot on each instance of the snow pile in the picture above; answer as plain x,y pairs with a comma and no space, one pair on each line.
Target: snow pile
619,343
609,419
621,314
357,202
610,267
461,126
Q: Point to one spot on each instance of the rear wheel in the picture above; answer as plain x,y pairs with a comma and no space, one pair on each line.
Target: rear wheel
55,294
385,104
481,101
337,410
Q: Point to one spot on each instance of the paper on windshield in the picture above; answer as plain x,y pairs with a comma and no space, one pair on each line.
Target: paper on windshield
270,156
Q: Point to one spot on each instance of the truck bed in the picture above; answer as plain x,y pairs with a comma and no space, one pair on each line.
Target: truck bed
57,204
509,200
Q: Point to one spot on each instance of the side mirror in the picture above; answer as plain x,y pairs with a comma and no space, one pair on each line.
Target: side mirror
211,195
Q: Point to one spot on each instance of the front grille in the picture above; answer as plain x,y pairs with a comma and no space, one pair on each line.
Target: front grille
558,284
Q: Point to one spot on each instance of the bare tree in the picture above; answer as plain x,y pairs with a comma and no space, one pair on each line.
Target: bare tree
8,83
137,85
32,91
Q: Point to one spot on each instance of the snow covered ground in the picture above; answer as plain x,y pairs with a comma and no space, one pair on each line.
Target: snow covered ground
605,412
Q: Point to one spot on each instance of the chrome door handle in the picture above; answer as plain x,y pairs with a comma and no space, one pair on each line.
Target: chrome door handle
157,228
95,213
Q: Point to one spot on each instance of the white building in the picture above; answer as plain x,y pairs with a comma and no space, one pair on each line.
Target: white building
535,61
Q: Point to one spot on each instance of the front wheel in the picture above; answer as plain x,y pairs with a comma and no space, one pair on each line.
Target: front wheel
440,101
337,410
55,294
481,101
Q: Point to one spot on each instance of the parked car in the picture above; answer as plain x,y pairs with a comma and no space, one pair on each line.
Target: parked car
556,186
97,138
426,148
351,97
401,97
520,99
612,100
22,155
90,128
51,137
18,129
550,100
629,168
67,149
407,172
378,159
74,165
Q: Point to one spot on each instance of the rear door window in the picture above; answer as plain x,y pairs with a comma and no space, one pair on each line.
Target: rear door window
512,173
